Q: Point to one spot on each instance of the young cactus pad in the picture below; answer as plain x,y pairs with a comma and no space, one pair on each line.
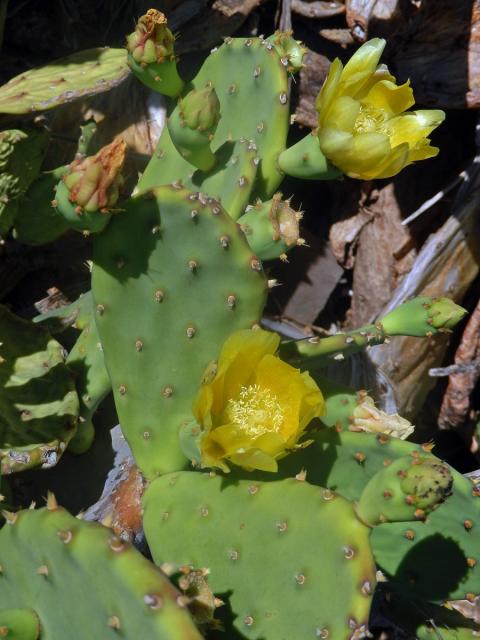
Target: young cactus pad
83,582
278,547
38,402
420,317
78,76
151,54
190,280
250,81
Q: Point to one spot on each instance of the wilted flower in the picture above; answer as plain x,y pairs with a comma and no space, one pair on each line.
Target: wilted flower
363,129
254,407
367,417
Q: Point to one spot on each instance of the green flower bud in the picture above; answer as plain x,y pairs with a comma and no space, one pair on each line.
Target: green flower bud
200,109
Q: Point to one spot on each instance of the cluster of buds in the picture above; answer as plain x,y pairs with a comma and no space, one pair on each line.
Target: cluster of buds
152,41
94,182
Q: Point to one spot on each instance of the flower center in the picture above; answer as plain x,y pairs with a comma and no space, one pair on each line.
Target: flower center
370,120
256,410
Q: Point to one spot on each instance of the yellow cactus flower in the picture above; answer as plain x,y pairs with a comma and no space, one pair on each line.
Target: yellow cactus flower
363,128
253,407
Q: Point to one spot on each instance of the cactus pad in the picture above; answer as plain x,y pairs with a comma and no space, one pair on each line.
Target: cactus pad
190,280
437,559
87,363
278,546
37,221
47,560
77,76
21,155
38,401
250,80
230,181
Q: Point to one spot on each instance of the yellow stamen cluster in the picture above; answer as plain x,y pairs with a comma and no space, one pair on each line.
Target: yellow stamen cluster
256,410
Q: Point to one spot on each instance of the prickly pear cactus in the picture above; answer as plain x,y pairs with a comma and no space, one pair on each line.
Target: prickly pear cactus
297,532
190,278
273,543
87,363
38,402
250,80
47,560
77,76
436,559
422,317
21,154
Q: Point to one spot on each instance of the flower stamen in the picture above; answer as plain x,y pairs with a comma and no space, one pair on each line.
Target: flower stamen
369,120
256,410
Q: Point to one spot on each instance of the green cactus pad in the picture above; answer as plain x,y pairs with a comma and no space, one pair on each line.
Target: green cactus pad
38,402
50,562
37,221
436,560
77,76
190,280
87,363
251,84
276,547
21,155
76,314
230,181
166,166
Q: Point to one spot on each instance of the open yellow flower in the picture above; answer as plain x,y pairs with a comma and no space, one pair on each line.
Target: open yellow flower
254,407
363,129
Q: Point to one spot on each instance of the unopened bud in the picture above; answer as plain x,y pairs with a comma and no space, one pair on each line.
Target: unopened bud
200,109
94,182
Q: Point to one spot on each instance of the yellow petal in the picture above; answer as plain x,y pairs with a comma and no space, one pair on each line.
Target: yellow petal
238,359
423,153
413,127
213,453
202,406
313,402
343,113
356,155
361,66
381,73
329,89
393,164
255,459
390,98
231,438
297,393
